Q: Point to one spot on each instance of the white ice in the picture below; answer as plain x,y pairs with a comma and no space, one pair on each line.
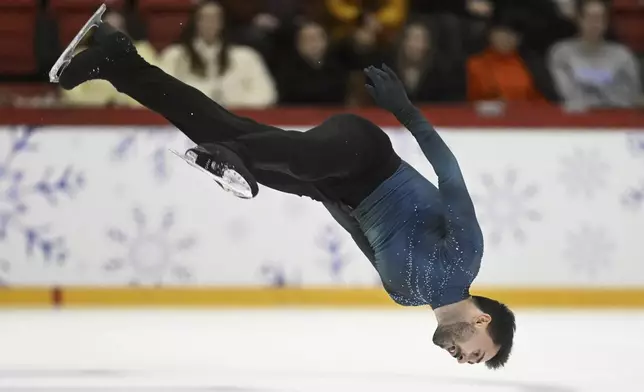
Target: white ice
306,351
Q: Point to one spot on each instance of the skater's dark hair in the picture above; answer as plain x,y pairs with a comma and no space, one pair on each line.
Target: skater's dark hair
197,63
501,329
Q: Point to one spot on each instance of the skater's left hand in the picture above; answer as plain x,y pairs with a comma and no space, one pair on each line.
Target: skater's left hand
386,89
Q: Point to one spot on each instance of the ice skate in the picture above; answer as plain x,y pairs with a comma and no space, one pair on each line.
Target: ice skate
66,57
223,166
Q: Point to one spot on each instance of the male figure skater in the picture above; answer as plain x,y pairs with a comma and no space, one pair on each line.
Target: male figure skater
424,241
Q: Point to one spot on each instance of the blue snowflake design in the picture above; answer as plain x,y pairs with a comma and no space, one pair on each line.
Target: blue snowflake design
5,270
155,142
18,191
505,206
583,172
150,253
633,198
331,242
635,142
588,250
276,275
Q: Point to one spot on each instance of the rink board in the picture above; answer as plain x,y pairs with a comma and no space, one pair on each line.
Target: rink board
109,216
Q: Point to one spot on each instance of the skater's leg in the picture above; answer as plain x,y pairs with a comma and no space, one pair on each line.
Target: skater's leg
345,158
114,58
344,146
340,148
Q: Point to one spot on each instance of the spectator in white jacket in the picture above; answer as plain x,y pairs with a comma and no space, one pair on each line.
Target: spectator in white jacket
591,72
233,76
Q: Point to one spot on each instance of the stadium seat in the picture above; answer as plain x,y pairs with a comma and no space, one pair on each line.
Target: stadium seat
627,5
177,5
17,19
164,19
71,15
628,21
629,27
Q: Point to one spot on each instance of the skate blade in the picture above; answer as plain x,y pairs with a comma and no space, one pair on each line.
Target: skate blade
65,58
231,181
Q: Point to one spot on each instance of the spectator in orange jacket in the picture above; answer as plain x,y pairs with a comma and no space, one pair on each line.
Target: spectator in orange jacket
504,72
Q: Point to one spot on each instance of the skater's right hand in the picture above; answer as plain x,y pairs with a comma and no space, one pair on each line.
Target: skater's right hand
386,89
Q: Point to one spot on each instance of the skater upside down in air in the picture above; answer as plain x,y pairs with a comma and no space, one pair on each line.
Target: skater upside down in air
424,241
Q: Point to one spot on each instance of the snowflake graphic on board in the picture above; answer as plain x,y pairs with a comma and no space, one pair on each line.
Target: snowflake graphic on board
5,269
635,142
633,198
583,172
276,275
154,143
21,189
505,206
331,242
588,249
150,252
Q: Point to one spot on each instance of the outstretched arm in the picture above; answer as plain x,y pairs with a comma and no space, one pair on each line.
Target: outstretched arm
389,93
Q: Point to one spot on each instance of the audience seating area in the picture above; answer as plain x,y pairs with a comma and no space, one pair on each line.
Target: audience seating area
628,19
17,20
163,21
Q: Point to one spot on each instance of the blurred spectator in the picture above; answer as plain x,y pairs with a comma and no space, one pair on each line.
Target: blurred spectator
312,75
382,16
592,72
567,8
504,73
428,75
541,21
251,25
269,25
365,46
232,75
99,92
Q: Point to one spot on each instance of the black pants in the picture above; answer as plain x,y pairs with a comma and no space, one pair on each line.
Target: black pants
343,159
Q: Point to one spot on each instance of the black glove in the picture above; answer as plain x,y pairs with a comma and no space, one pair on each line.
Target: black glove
387,90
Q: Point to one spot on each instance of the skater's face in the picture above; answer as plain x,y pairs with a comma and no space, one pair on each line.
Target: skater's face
312,42
210,22
593,20
467,342
417,43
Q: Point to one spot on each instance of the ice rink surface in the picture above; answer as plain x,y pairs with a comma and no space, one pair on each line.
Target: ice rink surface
306,351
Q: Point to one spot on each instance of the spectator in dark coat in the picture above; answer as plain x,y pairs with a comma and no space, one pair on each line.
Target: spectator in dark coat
541,22
311,75
428,74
